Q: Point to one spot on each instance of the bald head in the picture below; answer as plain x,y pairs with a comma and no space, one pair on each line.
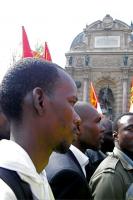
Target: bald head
84,109
90,132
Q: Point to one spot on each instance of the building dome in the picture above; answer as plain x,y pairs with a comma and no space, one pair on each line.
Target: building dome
79,41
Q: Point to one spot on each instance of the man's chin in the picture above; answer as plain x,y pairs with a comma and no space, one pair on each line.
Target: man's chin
62,147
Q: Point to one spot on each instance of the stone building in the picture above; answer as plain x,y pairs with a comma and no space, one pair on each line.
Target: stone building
103,53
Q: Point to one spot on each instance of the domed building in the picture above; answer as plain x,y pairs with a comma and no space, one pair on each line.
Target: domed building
103,54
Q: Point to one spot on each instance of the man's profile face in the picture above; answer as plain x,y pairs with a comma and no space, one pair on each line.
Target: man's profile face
91,131
108,140
125,133
61,113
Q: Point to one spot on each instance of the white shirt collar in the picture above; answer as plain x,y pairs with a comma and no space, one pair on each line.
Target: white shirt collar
81,157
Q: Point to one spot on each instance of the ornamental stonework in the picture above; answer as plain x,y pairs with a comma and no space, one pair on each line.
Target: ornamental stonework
80,60
103,52
107,61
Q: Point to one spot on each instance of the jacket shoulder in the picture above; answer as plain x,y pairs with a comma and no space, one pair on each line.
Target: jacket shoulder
59,163
108,164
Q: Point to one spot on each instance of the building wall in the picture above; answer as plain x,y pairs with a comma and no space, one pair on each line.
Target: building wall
103,54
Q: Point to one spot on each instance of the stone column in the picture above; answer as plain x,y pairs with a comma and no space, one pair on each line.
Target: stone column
125,89
85,90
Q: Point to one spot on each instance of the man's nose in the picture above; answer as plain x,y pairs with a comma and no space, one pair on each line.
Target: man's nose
77,119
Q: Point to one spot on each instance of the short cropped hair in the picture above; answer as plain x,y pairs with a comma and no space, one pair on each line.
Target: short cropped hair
23,77
115,124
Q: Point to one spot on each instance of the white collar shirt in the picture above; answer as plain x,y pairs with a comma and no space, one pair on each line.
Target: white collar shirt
81,157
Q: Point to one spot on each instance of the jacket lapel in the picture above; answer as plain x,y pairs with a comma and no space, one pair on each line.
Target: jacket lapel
72,156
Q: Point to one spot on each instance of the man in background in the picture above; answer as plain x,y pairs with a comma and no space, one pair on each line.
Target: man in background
108,140
115,173
66,172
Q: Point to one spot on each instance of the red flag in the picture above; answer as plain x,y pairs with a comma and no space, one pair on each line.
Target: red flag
131,97
94,100
27,52
47,55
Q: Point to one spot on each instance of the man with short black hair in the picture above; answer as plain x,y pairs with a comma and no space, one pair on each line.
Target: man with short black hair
108,140
115,174
37,97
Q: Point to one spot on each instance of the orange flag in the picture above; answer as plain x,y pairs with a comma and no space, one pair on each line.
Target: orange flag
131,97
94,100
27,52
38,53
47,55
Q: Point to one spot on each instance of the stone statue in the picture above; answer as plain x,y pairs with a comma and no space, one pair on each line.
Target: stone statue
106,100
125,59
70,60
87,60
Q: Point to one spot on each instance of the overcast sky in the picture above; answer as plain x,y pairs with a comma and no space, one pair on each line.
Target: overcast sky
56,21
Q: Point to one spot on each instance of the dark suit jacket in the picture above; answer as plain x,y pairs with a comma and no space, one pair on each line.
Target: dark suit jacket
95,158
66,177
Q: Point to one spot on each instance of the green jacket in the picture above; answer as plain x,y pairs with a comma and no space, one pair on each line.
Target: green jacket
129,193
112,178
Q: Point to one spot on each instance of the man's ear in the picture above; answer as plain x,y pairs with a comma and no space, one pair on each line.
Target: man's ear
39,100
115,135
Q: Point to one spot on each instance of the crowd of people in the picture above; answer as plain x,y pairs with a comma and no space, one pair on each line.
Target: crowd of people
53,146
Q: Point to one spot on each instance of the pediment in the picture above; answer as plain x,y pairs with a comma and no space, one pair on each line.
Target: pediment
107,24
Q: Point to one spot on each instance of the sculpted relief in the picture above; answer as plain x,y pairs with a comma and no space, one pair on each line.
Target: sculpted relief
80,61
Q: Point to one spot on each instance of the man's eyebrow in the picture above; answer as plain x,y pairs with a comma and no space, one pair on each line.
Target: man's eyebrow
130,125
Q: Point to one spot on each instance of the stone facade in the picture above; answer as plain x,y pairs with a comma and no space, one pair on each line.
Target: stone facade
103,54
